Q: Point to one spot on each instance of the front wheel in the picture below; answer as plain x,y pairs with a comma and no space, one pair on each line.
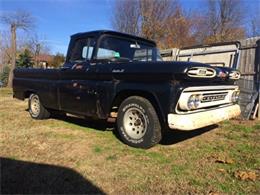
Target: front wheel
138,123
36,109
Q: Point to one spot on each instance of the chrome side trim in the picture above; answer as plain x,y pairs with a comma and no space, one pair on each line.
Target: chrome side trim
207,88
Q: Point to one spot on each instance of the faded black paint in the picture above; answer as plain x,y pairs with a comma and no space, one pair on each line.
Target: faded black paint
92,90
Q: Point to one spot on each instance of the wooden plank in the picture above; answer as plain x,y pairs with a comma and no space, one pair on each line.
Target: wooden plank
256,109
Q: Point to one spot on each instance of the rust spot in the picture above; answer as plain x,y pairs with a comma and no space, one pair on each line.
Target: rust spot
113,114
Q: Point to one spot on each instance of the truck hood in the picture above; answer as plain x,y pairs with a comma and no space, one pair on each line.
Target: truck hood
174,70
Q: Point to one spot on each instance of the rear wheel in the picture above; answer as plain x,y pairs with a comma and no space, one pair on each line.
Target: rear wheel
138,123
36,109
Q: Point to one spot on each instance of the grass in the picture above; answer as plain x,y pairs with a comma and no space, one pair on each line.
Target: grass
190,165
97,149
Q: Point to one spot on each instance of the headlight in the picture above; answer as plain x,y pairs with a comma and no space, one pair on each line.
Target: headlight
193,102
235,96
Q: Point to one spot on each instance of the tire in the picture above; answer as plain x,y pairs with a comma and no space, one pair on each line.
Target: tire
137,123
36,109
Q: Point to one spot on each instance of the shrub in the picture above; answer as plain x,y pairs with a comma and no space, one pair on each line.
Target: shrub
4,75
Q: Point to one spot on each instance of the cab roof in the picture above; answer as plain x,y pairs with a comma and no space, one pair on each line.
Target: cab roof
99,33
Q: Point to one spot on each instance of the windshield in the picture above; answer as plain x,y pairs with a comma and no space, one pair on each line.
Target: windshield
129,50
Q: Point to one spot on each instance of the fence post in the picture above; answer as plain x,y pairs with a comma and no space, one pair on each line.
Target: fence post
257,67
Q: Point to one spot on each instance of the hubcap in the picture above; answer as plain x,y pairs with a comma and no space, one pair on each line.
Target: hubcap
35,105
135,123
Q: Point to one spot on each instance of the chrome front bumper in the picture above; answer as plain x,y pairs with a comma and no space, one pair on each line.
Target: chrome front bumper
197,120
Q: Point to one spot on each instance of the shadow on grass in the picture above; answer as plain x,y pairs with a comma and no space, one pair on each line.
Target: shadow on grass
175,136
21,177
169,136
86,122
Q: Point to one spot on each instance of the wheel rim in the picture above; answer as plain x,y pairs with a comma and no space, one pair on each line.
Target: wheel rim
35,105
135,123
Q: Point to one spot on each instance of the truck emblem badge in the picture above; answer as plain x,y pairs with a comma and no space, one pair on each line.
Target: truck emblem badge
202,72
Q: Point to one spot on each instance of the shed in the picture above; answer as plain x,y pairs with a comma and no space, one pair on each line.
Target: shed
242,54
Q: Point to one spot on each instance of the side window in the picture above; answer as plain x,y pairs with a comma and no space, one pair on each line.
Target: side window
105,53
111,47
82,50
143,55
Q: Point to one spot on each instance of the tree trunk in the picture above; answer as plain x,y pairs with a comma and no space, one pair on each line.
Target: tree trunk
11,74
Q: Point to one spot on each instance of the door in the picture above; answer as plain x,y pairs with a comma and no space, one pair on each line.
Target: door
77,86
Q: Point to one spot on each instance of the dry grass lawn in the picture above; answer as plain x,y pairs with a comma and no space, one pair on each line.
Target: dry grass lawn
70,155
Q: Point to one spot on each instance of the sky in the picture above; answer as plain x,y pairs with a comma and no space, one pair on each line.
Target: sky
57,20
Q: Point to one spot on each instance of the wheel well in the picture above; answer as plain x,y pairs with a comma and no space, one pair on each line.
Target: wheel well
147,95
28,93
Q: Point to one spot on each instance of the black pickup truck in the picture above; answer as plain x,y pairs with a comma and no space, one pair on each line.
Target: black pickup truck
120,77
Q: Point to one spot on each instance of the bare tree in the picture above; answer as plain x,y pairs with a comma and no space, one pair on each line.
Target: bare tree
126,16
199,29
165,21
213,19
155,15
5,48
1,53
255,27
16,20
37,46
254,22
224,20
146,18
178,30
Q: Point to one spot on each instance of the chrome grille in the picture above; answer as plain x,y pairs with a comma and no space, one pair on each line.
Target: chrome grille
211,97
